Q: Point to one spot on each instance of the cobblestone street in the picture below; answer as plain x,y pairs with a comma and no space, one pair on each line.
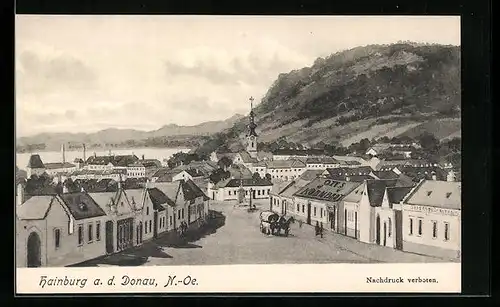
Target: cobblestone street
239,241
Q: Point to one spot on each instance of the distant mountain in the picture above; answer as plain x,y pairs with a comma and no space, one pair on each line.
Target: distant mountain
53,141
365,92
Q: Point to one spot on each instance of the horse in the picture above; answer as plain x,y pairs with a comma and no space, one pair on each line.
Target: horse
284,224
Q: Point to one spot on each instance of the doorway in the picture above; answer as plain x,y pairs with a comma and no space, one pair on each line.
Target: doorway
34,257
398,216
155,224
345,222
331,216
253,194
309,213
385,234
109,237
355,224
377,232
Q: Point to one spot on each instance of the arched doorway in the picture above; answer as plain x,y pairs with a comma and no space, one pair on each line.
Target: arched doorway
377,232
34,253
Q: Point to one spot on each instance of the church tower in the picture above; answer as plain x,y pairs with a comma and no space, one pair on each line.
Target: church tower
252,135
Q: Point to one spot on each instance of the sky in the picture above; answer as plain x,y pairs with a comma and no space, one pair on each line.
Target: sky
87,73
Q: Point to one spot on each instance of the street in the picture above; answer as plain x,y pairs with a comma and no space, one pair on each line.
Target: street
239,241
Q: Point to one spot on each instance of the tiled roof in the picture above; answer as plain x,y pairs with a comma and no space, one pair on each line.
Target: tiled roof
326,189
385,174
291,189
311,174
194,172
35,208
81,205
35,162
120,160
58,165
443,194
353,178
158,198
397,194
233,183
192,191
291,163
170,189
376,191
350,171
246,157
279,186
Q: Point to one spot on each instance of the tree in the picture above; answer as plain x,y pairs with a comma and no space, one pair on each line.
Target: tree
364,144
268,176
428,142
224,162
256,176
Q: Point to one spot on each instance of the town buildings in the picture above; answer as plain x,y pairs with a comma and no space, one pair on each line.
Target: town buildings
431,219
320,200
59,230
229,189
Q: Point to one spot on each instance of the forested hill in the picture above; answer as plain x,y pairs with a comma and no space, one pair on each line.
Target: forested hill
365,92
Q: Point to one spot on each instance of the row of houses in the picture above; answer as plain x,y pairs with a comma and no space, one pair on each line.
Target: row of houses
422,218
95,167
67,228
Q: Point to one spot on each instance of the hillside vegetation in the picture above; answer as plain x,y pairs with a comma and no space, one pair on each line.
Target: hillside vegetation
366,92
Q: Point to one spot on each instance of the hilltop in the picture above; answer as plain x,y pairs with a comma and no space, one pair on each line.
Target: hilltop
401,89
169,135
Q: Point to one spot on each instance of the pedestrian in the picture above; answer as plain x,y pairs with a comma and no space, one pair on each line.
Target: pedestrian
321,230
300,223
316,228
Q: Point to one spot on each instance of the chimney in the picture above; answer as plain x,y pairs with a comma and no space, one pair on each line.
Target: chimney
143,157
63,153
20,194
84,153
95,155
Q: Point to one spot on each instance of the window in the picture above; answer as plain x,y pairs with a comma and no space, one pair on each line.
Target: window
146,227
98,231
303,208
446,231
419,227
171,221
229,192
411,226
268,191
321,212
314,211
390,227
80,234
298,208
57,237
149,226
147,210
258,192
179,214
434,229
182,212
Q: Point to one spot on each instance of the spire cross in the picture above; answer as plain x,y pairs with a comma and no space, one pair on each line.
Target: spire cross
251,102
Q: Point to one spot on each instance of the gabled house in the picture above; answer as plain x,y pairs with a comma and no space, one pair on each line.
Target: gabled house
59,230
320,200
431,214
123,217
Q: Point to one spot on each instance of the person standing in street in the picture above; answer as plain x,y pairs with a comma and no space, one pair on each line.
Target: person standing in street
316,229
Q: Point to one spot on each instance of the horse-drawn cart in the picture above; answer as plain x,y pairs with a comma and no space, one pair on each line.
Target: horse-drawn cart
272,224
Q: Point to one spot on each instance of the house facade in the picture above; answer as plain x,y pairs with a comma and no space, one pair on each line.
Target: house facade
320,201
431,216
59,230
229,189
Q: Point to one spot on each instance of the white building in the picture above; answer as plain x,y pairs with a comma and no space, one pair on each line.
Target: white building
285,170
229,189
432,219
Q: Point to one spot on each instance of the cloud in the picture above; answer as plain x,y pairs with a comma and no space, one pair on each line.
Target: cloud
39,75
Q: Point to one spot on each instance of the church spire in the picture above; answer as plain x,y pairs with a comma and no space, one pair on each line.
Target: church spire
252,125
